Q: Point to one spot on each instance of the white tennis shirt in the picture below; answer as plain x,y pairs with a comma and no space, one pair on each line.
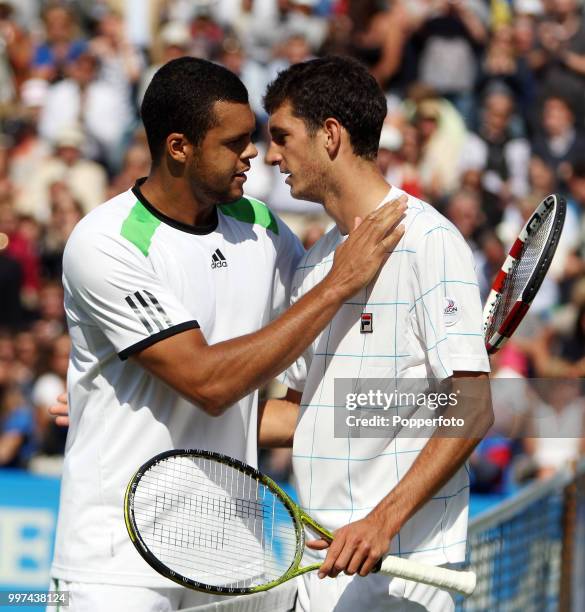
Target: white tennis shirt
133,277
426,320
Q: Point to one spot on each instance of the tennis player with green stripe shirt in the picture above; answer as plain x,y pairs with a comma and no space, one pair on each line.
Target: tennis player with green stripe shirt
175,295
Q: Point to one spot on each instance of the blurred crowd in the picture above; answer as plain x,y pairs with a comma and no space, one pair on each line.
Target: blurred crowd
486,116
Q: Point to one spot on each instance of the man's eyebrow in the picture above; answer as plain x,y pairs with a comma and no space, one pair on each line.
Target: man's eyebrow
275,130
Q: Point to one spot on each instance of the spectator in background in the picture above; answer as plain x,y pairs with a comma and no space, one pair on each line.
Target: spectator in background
11,310
62,46
66,212
120,62
558,427
233,57
17,439
136,164
26,363
85,100
441,134
20,244
500,156
560,142
205,33
28,149
50,323
86,179
50,437
174,40
393,163
561,61
464,211
575,264
379,36
504,66
15,53
450,37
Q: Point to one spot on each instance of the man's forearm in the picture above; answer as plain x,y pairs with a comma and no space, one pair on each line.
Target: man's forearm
254,359
434,467
439,460
277,421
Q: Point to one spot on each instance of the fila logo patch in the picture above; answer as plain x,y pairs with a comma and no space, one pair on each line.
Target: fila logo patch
149,310
367,323
218,260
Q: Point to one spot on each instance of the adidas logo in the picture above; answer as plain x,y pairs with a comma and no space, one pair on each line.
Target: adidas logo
218,260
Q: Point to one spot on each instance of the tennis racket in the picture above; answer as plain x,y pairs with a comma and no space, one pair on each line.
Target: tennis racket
214,524
522,274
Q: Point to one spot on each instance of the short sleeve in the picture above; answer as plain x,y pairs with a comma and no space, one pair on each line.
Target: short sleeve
111,284
295,375
290,252
447,313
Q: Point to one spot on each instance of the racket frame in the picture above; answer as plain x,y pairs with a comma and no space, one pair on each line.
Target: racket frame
299,518
522,304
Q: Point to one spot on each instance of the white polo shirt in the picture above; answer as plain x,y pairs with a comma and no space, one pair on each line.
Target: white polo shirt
133,277
427,323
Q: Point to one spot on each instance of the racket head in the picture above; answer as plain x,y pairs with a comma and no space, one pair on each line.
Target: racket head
523,272
226,532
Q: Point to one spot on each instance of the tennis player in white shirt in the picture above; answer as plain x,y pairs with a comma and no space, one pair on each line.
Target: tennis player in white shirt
420,318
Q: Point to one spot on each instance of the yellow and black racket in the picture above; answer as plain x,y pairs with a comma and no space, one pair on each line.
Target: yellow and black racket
214,524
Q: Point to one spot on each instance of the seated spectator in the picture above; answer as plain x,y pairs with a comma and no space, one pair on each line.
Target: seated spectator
561,38
102,111
62,45
28,149
254,76
393,164
173,42
66,212
15,52
85,179
558,427
17,440
20,233
500,157
560,142
502,67
442,134
464,211
450,36
120,62
379,36
50,437
575,263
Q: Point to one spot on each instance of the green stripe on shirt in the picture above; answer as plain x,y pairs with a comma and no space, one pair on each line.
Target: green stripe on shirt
251,211
139,227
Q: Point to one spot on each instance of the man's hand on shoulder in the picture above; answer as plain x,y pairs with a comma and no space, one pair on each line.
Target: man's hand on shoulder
358,259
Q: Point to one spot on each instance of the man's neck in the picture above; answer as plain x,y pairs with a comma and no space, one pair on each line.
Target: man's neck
173,198
355,193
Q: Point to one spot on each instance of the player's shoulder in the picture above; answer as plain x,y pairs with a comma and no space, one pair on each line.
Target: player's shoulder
422,220
100,227
252,211
321,253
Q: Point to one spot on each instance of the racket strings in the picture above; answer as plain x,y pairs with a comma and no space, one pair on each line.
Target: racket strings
520,273
213,523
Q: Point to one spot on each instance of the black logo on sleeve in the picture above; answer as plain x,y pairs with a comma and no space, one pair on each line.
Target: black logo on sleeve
218,260
149,310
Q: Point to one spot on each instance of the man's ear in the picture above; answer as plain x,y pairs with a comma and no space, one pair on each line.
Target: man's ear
177,147
333,134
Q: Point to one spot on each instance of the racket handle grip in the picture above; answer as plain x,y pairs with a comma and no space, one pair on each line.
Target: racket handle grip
453,580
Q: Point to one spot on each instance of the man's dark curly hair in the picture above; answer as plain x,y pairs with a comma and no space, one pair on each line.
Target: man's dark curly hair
180,98
336,87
